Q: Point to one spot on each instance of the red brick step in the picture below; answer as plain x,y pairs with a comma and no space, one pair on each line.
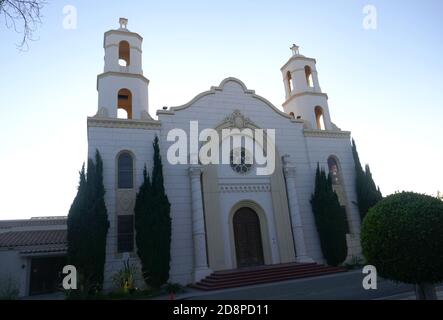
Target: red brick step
263,274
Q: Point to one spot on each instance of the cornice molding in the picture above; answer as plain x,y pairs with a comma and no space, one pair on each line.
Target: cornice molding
195,171
302,69
327,134
124,33
166,112
298,57
306,93
123,123
236,188
122,74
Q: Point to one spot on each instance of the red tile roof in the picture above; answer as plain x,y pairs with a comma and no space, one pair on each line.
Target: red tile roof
55,248
34,222
32,238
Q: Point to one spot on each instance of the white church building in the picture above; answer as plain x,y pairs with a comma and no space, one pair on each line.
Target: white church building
224,216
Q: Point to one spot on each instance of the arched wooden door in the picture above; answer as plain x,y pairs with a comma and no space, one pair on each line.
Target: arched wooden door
248,241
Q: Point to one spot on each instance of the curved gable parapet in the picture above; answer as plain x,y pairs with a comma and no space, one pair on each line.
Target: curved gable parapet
229,84
274,108
233,84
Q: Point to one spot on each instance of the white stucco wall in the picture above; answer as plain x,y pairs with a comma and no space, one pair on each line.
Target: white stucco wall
110,84
111,44
305,152
211,109
15,267
110,142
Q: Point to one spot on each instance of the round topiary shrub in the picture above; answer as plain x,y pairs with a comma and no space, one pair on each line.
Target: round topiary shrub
402,236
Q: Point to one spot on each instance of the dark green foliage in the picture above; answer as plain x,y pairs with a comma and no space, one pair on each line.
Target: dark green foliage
174,288
330,219
99,222
153,225
402,236
88,226
163,220
368,194
124,279
143,211
75,223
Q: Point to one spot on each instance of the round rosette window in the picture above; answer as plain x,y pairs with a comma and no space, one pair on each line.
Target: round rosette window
241,161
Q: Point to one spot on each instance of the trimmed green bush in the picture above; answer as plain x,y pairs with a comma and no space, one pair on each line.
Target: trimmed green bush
402,236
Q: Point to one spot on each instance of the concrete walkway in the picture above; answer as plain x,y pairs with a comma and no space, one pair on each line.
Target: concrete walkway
411,295
49,296
343,286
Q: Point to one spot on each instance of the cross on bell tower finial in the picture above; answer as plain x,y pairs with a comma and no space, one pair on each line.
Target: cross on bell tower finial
123,23
295,50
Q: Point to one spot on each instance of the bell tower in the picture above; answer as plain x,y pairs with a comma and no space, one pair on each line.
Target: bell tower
122,88
304,98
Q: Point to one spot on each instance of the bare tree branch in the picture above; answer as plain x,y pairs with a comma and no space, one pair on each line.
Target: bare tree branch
23,16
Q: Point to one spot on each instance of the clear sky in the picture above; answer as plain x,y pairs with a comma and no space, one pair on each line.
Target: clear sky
384,85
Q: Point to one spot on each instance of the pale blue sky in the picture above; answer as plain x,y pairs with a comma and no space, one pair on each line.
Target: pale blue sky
384,85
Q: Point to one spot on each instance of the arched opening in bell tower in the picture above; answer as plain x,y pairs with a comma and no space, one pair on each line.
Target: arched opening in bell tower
124,104
290,82
308,74
124,56
319,118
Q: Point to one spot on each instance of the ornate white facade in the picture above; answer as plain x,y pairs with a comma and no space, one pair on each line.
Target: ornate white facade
206,200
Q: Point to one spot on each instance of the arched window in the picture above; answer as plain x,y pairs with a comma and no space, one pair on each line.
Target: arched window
124,103
319,118
290,82
292,115
308,74
125,171
241,161
124,56
334,170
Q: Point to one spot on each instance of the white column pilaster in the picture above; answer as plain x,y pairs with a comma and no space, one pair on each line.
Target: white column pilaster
297,226
201,269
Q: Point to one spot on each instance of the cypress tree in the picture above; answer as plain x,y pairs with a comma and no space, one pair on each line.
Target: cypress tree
88,226
368,194
330,219
75,224
99,223
153,225
143,212
163,209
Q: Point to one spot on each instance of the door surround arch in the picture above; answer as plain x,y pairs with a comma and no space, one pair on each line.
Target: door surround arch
264,230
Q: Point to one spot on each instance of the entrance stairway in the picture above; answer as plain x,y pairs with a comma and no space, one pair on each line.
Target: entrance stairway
263,274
